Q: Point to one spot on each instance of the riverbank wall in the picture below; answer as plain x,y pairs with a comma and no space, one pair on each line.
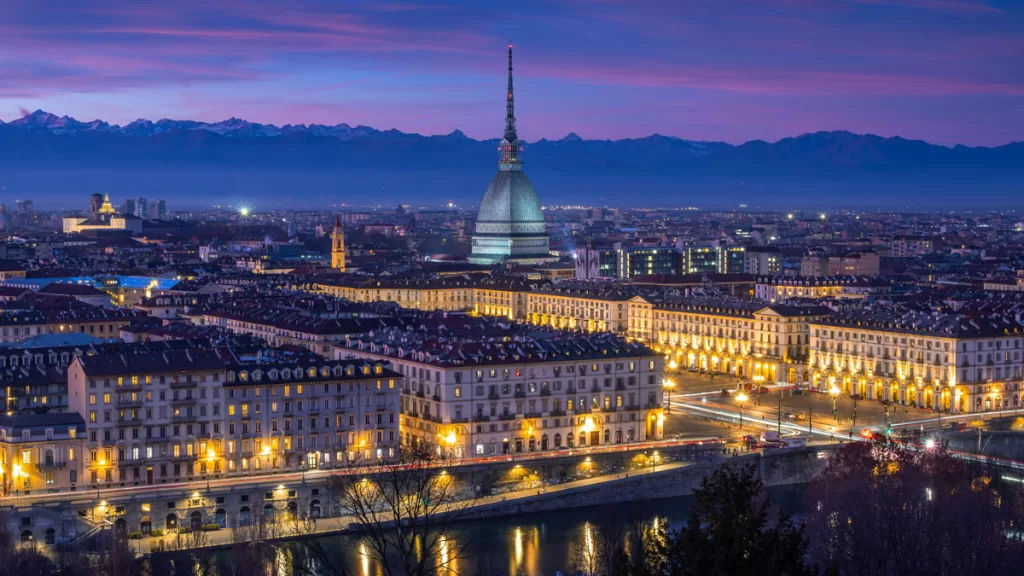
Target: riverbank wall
776,468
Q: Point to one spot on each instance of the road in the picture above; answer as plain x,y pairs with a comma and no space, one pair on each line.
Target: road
286,479
692,389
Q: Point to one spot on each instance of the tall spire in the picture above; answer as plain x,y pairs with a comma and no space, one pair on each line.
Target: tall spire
510,106
509,148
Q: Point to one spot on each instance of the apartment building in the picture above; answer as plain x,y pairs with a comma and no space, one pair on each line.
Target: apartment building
41,452
763,260
952,362
36,379
284,326
502,296
448,293
909,246
20,325
580,307
730,336
782,288
183,415
484,387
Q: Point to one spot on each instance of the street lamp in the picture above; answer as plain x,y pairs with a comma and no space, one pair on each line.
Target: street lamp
669,385
834,392
210,457
16,472
741,398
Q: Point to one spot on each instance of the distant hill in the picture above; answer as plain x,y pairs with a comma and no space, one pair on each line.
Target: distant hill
44,141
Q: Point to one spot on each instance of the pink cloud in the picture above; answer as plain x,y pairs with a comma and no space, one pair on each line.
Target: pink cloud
953,6
764,81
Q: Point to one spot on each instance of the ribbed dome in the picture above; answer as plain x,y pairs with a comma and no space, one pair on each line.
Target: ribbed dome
510,199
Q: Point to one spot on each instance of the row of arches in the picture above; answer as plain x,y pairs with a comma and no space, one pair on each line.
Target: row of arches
930,396
246,516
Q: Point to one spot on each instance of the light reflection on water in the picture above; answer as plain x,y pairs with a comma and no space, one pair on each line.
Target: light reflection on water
570,541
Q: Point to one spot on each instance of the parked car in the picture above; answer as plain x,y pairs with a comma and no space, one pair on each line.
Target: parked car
726,392
762,390
856,396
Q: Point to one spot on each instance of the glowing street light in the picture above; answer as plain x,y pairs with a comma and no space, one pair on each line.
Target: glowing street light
834,393
210,457
741,398
669,385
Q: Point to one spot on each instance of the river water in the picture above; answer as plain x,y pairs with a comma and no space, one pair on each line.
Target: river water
539,544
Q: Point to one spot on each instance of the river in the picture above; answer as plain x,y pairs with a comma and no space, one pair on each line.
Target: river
539,544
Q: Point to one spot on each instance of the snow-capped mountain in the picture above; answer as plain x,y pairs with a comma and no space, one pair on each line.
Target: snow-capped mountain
233,127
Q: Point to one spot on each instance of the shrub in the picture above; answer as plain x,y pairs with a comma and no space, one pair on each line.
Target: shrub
156,533
134,535
210,527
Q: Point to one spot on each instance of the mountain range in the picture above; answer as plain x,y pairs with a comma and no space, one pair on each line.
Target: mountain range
41,142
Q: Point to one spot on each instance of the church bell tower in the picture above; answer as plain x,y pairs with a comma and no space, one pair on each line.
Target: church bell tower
338,246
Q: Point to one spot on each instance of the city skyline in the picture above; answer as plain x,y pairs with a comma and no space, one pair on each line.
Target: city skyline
746,71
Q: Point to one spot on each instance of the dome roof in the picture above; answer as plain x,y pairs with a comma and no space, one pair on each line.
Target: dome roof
510,199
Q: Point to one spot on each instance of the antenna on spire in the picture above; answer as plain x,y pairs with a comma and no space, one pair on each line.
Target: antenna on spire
510,110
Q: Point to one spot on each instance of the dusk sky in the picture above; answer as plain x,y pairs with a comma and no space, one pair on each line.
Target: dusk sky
947,71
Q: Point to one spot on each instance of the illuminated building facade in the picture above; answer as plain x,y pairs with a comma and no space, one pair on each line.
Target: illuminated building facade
590,310
40,452
447,293
483,397
186,415
947,362
741,338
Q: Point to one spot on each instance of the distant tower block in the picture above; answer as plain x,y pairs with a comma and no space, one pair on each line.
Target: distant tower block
338,246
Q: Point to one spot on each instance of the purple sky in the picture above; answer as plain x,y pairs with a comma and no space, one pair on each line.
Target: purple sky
947,71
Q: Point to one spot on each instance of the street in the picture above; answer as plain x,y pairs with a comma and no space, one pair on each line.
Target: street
701,397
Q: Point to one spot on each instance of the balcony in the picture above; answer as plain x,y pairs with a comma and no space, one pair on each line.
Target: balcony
545,392
506,417
127,422
481,418
184,401
183,384
436,397
129,403
184,419
493,396
44,466
557,412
